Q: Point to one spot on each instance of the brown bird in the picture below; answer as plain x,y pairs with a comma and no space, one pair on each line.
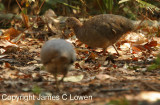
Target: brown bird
100,31
57,55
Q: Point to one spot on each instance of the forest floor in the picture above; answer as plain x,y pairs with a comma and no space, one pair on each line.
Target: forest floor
133,78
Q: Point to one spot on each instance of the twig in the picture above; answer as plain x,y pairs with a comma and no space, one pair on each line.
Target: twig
19,5
41,6
150,86
118,90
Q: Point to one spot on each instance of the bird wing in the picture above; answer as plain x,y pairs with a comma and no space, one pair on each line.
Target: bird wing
112,27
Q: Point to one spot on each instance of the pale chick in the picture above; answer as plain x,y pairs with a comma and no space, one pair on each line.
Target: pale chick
57,55
102,30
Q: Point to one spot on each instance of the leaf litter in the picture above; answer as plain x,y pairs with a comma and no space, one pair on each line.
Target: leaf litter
21,69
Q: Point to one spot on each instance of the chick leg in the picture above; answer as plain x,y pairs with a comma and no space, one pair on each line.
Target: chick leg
64,75
57,84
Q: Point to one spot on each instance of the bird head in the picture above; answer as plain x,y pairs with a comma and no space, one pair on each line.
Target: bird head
73,22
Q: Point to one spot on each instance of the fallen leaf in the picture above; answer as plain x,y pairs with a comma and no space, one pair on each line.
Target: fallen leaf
103,76
6,43
10,34
73,78
138,48
25,20
150,44
92,56
77,65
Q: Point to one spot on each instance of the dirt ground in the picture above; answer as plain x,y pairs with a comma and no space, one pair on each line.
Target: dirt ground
124,81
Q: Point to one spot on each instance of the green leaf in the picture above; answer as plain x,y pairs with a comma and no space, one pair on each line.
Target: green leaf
24,10
157,61
147,5
69,5
100,6
122,101
36,90
37,102
122,1
152,67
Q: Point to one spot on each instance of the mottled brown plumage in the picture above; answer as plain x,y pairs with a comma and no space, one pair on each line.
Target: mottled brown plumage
101,30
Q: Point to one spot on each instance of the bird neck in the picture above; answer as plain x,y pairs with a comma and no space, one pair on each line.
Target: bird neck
77,27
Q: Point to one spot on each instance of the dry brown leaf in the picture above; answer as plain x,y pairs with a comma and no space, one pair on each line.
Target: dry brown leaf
97,66
104,77
92,56
5,43
7,65
7,46
137,38
2,50
78,43
135,58
157,39
77,65
10,34
138,48
25,20
151,44
150,96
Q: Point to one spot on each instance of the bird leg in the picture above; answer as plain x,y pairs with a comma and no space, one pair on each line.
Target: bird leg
115,49
64,75
57,84
104,51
